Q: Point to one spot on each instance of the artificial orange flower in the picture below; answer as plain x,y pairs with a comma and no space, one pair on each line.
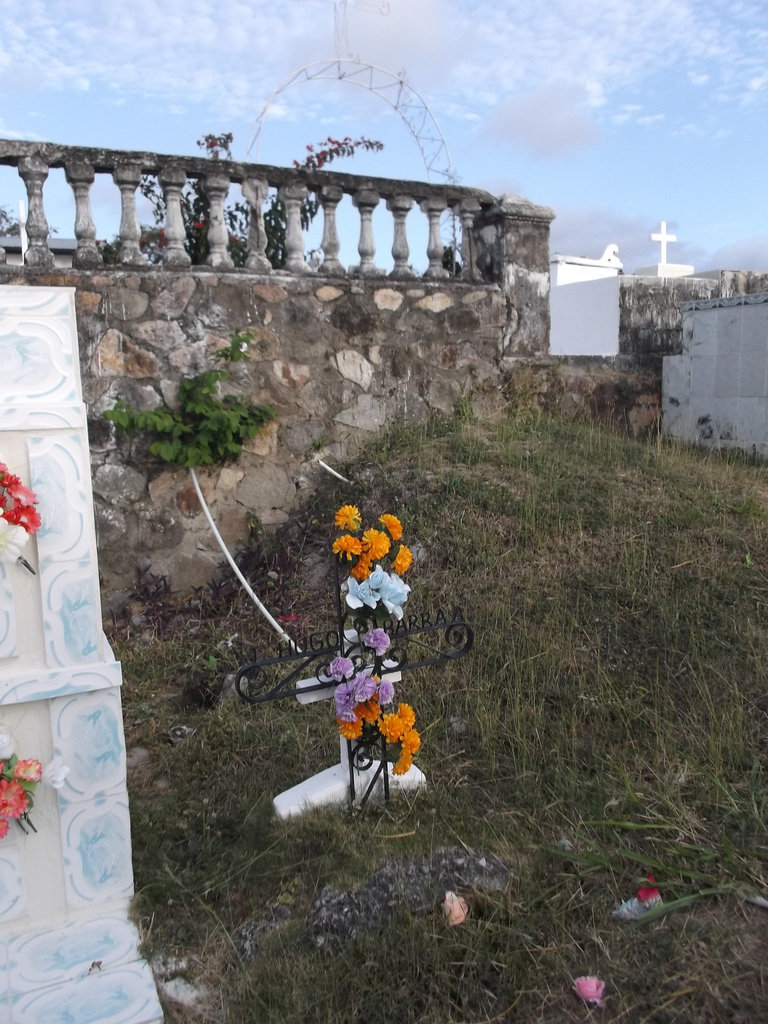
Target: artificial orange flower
369,711
402,764
351,730
403,559
411,741
362,570
348,518
347,545
375,544
393,524
407,715
392,727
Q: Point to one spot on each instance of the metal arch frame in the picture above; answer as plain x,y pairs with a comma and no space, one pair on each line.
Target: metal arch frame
406,102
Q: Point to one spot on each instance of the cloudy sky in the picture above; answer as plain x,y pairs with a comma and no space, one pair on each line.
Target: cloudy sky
615,114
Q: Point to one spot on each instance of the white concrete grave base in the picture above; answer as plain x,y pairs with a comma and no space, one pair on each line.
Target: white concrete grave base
332,785
68,952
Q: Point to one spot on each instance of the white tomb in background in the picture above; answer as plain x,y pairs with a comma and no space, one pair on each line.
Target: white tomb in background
584,304
715,393
68,952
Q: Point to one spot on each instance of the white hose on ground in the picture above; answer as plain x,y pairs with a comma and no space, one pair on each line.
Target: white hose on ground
246,585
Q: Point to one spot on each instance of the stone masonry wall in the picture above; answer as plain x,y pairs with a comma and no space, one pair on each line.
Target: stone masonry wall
337,358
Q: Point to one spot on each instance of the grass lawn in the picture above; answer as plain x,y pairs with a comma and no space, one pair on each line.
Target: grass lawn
611,722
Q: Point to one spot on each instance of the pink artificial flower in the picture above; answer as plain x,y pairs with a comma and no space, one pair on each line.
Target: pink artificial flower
455,909
28,770
590,989
3,828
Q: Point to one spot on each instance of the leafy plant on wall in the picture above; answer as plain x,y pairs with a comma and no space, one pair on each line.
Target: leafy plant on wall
206,427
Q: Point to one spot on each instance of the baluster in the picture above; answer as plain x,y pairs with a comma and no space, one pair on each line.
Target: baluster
399,207
80,176
33,171
330,197
216,186
433,207
173,179
127,178
255,193
292,197
466,210
366,201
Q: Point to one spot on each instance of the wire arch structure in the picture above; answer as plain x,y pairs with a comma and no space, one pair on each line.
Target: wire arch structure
393,89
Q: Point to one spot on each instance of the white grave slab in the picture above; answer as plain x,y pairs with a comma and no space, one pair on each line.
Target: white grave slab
68,952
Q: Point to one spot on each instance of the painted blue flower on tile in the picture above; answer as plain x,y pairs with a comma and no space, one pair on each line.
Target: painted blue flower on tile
78,620
11,889
79,1003
28,364
104,850
7,616
96,744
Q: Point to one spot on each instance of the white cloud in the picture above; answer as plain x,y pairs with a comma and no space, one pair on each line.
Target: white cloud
550,122
746,254
231,53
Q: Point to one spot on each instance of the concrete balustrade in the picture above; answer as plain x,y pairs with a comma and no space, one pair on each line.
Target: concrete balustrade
402,199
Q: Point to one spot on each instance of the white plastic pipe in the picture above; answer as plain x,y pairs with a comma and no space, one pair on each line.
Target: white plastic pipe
246,585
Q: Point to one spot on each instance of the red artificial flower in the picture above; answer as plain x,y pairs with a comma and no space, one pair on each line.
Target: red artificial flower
649,894
3,828
13,800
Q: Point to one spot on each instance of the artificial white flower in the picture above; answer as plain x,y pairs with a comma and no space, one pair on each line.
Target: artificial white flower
7,743
55,772
12,540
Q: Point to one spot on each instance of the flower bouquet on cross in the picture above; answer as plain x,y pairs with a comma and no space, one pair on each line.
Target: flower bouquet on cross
374,594
19,518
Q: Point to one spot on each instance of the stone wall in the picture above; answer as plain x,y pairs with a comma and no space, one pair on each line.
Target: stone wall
337,358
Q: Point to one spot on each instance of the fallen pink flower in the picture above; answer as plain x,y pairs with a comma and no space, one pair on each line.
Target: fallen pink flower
591,990
455,909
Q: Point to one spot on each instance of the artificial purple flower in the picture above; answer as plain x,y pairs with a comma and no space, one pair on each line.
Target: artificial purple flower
365,687
377,640
346,702
340,669
386,692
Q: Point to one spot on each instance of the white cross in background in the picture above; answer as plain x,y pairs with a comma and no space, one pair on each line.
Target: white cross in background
662,237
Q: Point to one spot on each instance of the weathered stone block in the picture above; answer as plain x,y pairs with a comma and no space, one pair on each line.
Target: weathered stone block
125,303
115,356
355,367
435,303
368,413
172,301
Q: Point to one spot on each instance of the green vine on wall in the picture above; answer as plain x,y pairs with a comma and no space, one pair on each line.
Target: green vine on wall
206,427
